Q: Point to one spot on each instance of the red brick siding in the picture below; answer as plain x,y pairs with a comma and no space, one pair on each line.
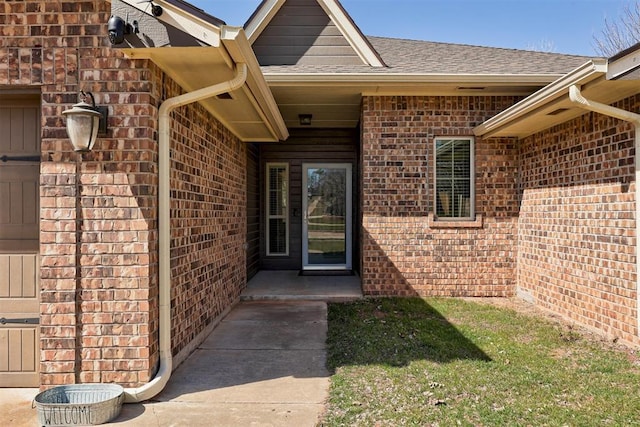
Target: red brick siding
577,223
98,238
208,220
401,253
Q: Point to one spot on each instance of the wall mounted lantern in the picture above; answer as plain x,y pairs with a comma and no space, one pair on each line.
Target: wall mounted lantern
84,120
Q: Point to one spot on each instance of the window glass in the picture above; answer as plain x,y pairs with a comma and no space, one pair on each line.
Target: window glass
454,187
277,212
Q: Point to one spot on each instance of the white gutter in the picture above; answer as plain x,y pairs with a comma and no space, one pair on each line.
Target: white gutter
587,72
576,97
156,385
382,77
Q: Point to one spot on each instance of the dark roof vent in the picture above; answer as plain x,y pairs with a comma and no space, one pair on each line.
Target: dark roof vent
558,111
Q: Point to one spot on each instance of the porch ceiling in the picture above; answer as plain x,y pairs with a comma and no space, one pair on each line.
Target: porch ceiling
197,67
335,101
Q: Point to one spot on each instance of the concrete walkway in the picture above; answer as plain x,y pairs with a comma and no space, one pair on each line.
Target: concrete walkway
264,365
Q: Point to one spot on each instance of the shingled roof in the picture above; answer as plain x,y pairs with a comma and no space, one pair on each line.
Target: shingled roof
423,57
414,56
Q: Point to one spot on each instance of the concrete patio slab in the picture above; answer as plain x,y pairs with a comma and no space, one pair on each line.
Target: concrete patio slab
289,285
266,376
16,407
264,365
214,414
274,311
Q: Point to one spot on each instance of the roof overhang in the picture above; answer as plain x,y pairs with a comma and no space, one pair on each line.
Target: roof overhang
193,21
551,105
335,99
250,112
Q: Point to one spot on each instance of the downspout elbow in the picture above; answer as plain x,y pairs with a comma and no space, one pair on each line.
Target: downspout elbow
157,384
575,96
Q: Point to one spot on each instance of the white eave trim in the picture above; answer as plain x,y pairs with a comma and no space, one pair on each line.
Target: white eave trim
278,79
587,72
182,20
236,43
620,66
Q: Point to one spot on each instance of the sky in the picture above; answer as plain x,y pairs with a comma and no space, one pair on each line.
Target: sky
562,26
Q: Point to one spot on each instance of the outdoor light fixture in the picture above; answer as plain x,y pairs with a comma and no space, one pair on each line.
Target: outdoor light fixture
83,122
305,119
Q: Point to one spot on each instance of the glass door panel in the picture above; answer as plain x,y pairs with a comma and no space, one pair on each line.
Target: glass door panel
327,216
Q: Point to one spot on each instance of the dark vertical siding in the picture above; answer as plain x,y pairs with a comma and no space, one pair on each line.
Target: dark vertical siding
302,33
308,146
253,210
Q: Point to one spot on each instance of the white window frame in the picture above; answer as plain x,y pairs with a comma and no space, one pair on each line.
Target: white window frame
268,216
472,178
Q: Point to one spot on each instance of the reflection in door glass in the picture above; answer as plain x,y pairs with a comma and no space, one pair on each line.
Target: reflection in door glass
326,216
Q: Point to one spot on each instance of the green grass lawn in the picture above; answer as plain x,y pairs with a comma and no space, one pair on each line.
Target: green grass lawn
450,362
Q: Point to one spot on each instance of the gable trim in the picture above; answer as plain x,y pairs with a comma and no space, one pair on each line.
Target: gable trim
261,17
351,32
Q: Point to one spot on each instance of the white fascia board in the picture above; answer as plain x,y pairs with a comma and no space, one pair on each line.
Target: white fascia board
589,71
622,66
351,32
261,19
182,20
237,45
302,79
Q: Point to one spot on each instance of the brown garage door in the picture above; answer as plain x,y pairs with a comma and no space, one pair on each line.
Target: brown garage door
19,243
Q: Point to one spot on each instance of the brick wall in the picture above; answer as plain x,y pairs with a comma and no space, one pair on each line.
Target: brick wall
98,239
403,251
208,220
577,223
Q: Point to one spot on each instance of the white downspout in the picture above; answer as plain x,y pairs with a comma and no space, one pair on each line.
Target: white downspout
576,97
155,386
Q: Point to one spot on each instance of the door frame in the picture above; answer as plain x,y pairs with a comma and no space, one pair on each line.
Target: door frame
348,265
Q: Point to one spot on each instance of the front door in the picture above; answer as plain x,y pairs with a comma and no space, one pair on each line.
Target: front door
327,222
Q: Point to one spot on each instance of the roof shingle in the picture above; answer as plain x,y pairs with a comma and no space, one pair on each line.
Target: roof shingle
424,57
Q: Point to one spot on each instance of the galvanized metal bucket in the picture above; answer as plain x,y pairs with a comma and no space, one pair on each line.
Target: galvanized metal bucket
79,404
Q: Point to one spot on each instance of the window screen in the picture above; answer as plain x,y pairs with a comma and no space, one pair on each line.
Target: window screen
277,211
454,184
